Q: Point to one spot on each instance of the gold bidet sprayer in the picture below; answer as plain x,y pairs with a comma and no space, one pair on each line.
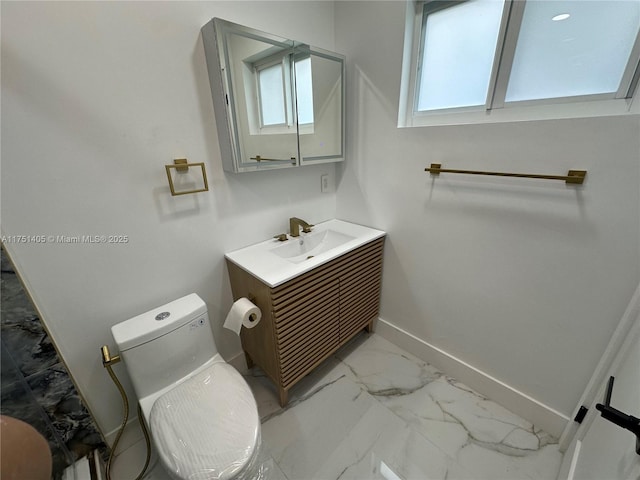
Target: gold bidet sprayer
106,357
107,361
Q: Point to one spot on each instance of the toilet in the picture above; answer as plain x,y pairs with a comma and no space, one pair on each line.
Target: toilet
201,414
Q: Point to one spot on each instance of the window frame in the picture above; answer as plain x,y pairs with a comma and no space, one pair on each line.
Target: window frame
298,57
282,59
496,109
286,60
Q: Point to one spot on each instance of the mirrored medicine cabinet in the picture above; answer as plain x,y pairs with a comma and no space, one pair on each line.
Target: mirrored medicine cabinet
278,103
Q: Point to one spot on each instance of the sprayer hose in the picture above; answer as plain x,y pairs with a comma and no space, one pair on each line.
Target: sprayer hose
125,418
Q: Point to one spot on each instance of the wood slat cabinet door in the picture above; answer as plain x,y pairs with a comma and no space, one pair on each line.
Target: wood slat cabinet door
307,329
360,291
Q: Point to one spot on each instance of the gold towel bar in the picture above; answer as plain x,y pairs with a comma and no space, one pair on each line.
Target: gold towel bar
573,176
262,159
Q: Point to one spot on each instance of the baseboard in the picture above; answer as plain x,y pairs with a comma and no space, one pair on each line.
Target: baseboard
541,415
239,362
90,467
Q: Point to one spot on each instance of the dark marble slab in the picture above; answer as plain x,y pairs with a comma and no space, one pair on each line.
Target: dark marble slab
36,387
20,327
9,373
57,395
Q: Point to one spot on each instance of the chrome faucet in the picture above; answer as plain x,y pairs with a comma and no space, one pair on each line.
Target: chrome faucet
295,223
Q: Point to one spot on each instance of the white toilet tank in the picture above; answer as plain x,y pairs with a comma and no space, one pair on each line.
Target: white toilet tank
166,344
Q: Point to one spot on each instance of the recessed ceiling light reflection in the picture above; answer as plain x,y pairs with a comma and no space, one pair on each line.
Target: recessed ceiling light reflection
560,17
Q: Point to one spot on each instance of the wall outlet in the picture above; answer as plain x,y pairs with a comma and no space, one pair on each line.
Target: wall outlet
324,183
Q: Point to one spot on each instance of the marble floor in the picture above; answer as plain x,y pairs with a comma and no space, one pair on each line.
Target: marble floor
373,411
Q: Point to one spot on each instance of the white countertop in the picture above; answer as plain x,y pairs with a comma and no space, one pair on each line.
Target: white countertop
272,269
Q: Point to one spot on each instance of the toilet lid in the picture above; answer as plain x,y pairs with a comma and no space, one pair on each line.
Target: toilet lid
207,427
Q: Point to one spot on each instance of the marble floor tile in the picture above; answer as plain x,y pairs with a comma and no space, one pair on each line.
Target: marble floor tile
482,464
302,436
266,394
375,411
271,471
383,368
381,443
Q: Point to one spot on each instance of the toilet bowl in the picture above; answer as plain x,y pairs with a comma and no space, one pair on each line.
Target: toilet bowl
201,414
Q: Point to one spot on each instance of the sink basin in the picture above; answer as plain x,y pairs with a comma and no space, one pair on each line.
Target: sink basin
305,247
276,262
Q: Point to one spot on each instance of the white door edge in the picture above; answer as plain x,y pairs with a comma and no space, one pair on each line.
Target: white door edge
605,365
574,460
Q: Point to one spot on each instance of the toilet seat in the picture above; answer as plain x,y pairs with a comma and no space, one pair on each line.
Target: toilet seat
207,427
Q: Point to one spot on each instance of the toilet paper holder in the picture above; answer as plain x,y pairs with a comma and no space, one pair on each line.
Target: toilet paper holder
244,313
252,299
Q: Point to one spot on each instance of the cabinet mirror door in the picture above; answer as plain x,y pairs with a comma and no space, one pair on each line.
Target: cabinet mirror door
252,86
260,82
320,99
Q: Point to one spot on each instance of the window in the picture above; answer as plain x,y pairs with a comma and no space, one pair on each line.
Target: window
584,51
272,94
273,91
458,43
475,61
304,90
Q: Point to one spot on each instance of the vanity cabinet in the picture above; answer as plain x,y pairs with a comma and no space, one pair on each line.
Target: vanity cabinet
307,318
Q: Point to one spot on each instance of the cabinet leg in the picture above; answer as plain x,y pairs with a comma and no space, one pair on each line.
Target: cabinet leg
248,360
369,327
284,397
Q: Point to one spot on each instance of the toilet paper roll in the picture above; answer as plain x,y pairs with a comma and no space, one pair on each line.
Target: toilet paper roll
243,313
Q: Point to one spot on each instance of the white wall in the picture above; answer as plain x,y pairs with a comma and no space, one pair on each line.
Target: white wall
523,279
96,98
